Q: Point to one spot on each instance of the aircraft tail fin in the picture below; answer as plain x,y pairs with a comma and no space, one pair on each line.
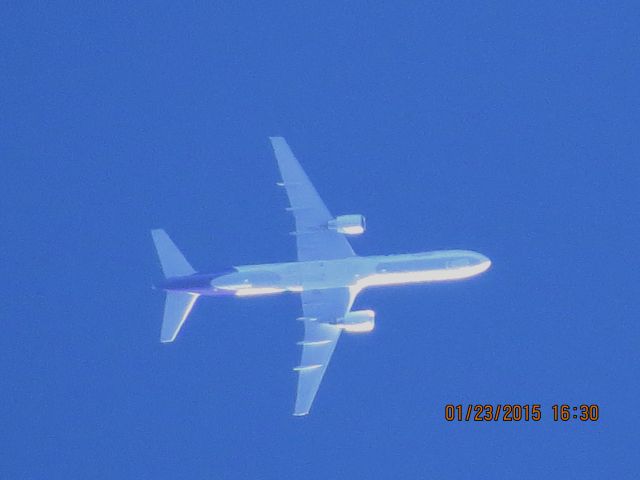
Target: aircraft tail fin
177,307
173,262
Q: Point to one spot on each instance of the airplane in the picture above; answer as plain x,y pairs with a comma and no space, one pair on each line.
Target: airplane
328,275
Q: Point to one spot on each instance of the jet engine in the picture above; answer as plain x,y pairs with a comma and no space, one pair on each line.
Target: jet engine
348,224
359,321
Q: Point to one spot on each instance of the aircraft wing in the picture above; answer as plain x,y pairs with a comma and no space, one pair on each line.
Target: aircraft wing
315,241
320,307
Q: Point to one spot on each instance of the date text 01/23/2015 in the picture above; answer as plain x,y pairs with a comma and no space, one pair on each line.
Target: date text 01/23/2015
514,412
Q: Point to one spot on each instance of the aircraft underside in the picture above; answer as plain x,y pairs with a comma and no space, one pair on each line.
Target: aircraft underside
328,276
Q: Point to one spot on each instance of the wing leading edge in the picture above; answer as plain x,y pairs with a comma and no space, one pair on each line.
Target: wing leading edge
320,307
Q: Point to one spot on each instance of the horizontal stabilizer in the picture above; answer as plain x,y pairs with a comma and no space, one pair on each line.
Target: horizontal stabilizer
173,262
176,310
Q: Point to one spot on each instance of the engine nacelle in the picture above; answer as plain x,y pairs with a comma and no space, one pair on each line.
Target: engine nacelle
348,224
359,321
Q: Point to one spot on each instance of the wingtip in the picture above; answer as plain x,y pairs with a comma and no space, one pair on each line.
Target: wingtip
300,414
157,232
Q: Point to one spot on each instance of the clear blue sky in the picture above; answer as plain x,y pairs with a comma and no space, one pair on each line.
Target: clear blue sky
507,129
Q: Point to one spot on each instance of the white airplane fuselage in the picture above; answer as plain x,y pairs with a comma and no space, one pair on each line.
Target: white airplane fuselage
328,275
355,273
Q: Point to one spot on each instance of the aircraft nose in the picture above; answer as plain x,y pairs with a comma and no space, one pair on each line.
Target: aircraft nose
484,262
